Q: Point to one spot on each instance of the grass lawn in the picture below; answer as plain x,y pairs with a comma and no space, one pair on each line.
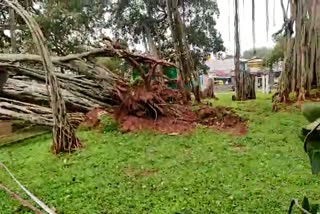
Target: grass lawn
204,172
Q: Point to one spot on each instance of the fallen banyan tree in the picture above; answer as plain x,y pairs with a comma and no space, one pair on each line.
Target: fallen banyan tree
83,83
148,102
78,84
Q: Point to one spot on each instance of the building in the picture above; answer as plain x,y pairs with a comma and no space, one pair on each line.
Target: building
262,74
266,78
222,71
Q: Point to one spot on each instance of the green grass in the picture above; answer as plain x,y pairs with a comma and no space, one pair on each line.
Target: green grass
204,172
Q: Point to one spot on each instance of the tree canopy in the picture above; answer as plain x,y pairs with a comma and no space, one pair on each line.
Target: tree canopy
277,53
67,25
145,22
262,52
70,26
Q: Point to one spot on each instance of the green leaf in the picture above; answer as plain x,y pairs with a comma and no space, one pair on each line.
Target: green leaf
311,111
305,204
314,208
314,156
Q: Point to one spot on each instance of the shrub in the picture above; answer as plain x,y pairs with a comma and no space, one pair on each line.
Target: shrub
109,124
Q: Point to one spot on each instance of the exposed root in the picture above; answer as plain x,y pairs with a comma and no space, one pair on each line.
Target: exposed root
161,109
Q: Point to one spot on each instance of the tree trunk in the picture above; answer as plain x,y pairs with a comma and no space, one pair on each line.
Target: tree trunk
34,114
151,44
245,83
253,27
239,84
13,30
189,74
209,91
26,90
248,85
3,78
64,138
301,70
152,48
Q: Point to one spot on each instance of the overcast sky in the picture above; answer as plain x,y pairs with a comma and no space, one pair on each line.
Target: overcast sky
245,16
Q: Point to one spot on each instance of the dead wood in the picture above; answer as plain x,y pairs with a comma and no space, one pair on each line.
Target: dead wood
34,114
20,199
109,51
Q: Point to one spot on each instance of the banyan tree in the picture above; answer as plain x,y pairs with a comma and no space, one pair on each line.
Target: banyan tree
245,84
301,71
64,138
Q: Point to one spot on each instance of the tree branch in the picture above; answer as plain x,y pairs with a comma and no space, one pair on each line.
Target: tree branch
97,52
20,199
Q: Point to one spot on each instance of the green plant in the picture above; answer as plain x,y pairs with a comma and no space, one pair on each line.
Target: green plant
312,140
109,124
116,65
305,208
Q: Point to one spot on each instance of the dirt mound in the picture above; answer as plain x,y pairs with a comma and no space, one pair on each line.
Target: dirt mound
222,117
219,118
156,107
163,125
92,118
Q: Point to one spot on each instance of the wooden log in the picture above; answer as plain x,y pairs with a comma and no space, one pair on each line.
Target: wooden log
109,51
25,111
83,84
34,114
36,93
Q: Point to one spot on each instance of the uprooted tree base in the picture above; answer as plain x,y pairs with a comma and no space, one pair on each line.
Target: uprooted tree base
148,104
219,119
161,110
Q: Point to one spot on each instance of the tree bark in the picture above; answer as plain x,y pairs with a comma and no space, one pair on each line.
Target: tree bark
36,93
190,75
239,88
108,51
64,138
13,30
34,114
245,84
151,44
301,72
3,78
253,26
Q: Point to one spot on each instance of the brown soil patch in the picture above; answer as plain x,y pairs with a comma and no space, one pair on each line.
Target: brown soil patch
155,107
92,118
145,173
131,172
219,118
223,119
162,125
239,148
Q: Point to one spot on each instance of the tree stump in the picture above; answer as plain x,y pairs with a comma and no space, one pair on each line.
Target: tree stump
246,86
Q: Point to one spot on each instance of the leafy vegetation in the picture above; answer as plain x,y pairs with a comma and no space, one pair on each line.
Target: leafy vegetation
67,24
204,172
258,52
146,22
108,124
276,54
